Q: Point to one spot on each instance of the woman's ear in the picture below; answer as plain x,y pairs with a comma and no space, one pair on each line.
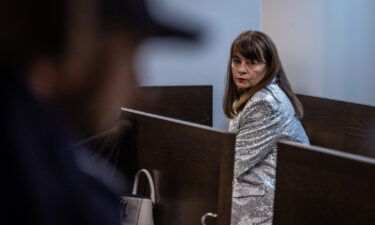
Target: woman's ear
42,79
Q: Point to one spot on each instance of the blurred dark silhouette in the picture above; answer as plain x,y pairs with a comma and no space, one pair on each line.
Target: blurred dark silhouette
66,67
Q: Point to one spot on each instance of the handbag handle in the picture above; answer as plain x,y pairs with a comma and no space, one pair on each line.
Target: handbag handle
203,219
150,183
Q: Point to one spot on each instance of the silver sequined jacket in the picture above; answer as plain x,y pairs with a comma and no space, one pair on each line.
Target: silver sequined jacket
267,118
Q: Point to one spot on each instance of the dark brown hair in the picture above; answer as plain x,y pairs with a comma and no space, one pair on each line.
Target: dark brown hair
256,45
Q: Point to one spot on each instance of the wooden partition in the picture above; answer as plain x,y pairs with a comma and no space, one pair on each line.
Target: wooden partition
329,123
192,166
315,185
117,146
188,103
339,125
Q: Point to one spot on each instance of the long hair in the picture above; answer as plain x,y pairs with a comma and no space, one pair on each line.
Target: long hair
256,45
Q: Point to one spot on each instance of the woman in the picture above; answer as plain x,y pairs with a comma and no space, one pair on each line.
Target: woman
263,110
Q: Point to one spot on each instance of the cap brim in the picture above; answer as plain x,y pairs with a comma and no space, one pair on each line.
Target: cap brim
135,14
166,30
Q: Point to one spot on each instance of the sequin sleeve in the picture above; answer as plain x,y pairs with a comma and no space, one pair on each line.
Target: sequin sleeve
257,133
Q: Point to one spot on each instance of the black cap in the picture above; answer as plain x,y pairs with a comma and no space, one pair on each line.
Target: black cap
136,15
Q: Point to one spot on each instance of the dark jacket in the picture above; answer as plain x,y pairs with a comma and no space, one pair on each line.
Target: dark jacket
40,180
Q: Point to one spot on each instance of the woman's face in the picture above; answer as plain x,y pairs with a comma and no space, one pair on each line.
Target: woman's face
246,73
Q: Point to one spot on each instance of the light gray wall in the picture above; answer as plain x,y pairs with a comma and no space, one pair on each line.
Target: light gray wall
327,46
172,62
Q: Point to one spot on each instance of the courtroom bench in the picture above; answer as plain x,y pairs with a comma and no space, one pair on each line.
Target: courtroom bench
339,125
316,185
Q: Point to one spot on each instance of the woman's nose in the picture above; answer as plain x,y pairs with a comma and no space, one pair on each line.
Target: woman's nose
242,68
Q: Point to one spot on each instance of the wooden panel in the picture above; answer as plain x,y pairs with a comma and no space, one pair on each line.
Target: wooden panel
188,103
118,146
322,186
340,125
192,166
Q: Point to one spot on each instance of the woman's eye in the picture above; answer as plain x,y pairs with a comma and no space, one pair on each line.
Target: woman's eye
256,62
236,61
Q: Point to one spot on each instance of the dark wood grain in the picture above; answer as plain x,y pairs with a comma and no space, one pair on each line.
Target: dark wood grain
339,125
192,166
116,146
188,103
322,186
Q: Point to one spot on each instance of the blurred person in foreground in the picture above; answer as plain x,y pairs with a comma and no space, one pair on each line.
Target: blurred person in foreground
66,68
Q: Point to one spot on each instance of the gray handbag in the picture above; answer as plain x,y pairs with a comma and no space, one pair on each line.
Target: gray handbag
136,209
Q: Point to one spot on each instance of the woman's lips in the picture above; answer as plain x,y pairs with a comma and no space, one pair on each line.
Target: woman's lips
241,79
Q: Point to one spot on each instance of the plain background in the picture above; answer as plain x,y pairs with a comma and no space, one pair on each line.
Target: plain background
326,46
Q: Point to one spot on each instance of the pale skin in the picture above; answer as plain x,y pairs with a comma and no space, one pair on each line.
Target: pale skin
247,73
